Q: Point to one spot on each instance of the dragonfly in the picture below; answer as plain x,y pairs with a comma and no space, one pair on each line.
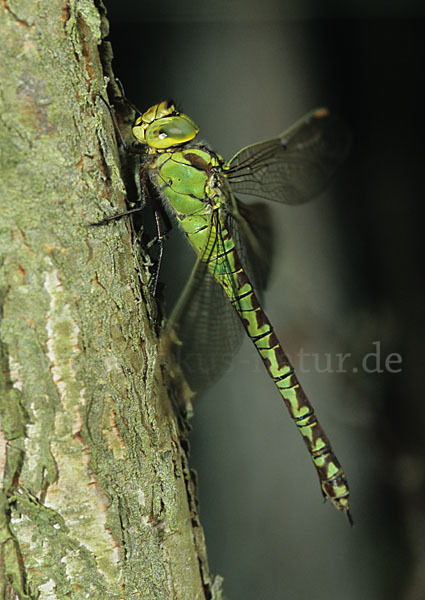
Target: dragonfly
232,243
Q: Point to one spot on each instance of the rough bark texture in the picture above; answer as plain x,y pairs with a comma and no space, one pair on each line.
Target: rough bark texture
97,498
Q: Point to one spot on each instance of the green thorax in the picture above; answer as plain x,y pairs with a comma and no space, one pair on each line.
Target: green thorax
191,180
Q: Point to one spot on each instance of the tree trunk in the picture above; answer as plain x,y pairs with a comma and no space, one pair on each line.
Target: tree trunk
97,498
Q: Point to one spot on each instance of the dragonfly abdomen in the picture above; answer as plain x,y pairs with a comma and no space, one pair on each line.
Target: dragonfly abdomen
230,274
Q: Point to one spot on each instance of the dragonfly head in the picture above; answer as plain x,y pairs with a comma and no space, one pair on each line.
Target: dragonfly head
161,126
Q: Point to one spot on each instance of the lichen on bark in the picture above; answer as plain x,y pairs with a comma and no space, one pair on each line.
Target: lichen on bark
97,498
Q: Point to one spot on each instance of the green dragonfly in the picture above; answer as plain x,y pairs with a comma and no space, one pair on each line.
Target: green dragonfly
232,246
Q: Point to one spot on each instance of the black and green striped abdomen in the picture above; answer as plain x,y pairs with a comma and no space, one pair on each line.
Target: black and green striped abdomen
232,277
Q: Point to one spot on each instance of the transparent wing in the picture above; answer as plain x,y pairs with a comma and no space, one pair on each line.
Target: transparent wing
252,233
295,166
205,329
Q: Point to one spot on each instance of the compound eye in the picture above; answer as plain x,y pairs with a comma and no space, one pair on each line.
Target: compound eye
169,131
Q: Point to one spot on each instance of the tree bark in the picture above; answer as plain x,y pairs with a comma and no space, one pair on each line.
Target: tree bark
97,500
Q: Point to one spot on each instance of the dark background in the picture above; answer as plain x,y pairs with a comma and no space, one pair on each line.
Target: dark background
347,279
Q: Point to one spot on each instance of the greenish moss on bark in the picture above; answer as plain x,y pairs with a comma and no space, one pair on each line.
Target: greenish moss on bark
97,498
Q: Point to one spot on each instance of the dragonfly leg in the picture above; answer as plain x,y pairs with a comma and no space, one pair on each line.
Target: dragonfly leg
125,99
160,241
115,122
165,232
162,223
127,148
107,220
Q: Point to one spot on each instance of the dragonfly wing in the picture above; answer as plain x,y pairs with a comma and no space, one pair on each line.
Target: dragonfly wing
207,329
252,232
295,166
